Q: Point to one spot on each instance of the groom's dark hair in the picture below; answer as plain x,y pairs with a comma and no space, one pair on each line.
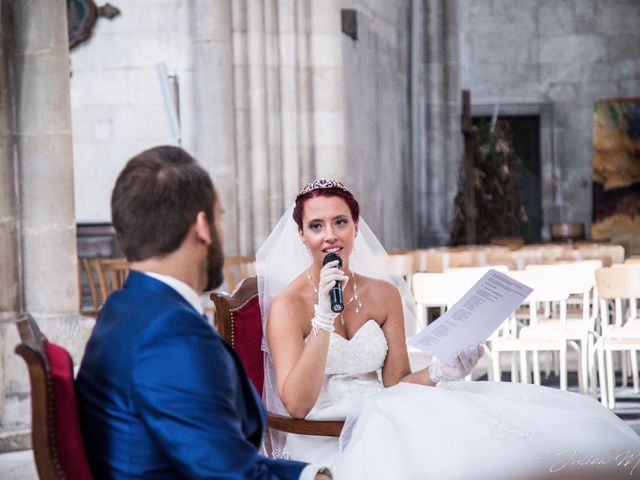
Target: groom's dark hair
156,199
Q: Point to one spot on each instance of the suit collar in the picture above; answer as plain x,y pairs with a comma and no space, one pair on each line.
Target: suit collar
188,293
140,281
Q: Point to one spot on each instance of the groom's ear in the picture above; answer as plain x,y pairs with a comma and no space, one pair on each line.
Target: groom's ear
202,228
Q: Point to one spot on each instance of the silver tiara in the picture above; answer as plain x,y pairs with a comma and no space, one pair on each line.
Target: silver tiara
322,183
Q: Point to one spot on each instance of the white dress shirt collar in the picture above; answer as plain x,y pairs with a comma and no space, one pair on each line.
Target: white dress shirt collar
188,293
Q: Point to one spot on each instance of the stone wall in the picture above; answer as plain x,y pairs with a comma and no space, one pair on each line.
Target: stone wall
559,56
245,90
260,101
116,100
378,118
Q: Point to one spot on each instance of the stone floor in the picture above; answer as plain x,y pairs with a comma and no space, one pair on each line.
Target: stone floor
18,466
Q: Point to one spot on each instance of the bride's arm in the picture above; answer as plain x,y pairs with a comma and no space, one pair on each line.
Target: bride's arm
299,367
396,366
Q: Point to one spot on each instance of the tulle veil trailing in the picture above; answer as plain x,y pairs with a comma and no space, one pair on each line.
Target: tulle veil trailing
280,259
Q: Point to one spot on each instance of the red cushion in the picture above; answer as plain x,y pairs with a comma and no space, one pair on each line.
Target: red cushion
68,435
247,340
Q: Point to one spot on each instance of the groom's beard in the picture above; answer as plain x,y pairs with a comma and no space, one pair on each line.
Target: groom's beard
215,263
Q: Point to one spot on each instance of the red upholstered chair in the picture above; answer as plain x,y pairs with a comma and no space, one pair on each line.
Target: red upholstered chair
56,436
239,323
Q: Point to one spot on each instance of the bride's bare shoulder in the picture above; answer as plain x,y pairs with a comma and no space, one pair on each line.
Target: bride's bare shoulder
293,297
380,288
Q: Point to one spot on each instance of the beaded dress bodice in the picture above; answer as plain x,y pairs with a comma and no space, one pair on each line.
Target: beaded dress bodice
352,365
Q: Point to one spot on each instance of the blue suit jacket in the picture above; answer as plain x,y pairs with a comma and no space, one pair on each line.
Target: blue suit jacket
161,395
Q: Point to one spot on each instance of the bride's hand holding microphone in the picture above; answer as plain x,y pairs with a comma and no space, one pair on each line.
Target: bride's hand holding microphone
324,316
464,364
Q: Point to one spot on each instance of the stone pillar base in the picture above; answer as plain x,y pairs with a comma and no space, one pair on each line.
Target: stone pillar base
14,440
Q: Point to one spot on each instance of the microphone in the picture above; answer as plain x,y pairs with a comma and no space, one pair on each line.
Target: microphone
337,305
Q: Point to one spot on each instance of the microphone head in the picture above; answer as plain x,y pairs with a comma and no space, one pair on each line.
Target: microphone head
331,257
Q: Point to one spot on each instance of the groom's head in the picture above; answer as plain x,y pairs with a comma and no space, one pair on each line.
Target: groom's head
156,201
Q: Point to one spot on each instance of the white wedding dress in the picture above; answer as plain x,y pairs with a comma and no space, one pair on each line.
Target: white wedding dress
458,429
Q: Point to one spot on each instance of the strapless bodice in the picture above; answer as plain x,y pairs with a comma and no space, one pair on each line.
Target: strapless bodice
363,353
352,365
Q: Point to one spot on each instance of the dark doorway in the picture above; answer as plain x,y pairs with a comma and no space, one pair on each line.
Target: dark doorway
526,139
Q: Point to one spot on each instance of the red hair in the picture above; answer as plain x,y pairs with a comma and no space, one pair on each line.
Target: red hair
343,193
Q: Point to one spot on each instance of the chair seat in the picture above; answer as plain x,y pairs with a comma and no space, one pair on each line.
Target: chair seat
574,330
621,333
517,344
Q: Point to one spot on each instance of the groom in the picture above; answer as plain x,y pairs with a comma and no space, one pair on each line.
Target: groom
160,394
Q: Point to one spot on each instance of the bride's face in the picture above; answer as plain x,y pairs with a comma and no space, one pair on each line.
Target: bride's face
328,227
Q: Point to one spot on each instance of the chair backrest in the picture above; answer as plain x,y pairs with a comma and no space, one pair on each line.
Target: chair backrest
400,264
473,274
546,286
513,243
618,283
112,273
56,435
567,231
621,281
578,277
238,268
88,275
436,289
240,324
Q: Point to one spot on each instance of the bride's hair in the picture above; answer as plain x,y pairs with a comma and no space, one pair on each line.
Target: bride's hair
333,189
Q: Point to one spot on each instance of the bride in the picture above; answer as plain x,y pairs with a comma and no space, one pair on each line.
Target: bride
354,365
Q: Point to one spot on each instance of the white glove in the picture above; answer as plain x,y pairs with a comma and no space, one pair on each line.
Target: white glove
324,317
465,361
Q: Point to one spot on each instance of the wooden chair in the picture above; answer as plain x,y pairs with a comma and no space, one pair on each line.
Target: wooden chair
434,290
88,275
239,322
111,275
56,435
238,268
400,265
532,338
578,279
567,232
513,243
619,285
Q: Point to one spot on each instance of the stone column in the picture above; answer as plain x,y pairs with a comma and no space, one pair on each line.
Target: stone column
9,252
213,124
327,84
39,189
9,248
288,105
418,104
44,149
443,109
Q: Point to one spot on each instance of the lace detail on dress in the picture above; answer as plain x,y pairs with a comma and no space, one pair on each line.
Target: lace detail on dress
364,353
507,431
352,365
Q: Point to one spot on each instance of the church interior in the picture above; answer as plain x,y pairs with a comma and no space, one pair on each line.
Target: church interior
476,135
